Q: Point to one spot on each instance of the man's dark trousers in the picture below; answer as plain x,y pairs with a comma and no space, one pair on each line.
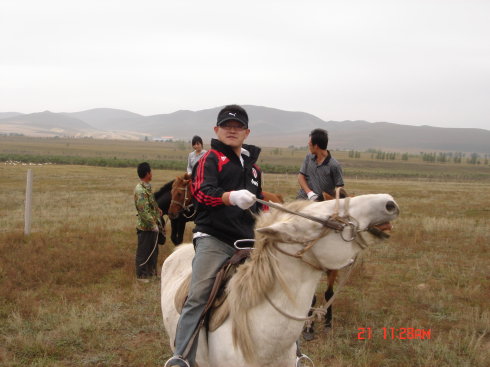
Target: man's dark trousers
146,244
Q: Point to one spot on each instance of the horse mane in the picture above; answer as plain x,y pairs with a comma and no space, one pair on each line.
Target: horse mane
164,189
179,179
255,279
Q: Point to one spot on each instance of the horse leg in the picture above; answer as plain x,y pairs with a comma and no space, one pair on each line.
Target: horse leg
308,332
174,235
329,294
178,229
328,316
181,229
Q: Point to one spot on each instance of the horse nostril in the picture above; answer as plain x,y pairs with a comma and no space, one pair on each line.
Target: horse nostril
391,207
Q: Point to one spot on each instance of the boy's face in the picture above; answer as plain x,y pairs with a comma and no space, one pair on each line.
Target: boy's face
232,133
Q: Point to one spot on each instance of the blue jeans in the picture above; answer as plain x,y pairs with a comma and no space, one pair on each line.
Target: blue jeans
210,256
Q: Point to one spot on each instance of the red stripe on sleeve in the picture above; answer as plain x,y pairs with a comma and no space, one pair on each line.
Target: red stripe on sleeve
198,194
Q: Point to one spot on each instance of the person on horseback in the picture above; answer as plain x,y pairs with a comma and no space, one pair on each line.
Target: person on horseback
225,184
319,173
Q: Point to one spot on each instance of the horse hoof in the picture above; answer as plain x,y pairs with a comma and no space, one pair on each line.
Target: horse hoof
308,334
327,329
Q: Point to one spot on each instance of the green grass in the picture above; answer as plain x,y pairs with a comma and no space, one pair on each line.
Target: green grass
173,156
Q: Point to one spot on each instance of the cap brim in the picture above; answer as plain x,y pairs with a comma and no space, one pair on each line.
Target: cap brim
232,119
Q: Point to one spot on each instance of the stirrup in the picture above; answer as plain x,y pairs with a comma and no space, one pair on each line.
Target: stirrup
237,242
176,358
299,359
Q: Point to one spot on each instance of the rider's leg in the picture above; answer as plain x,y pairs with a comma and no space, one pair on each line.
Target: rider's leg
211,254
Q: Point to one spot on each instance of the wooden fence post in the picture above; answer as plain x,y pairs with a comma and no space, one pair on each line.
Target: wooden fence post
28,204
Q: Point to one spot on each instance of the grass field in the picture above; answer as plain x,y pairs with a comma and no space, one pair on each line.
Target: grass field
173,155
68,295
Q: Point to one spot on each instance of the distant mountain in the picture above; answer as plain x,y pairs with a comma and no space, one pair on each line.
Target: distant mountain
50,124
269,127
104,118
51,120
4,115
362,135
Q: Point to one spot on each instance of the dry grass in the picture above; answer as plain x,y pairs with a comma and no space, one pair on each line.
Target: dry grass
68,295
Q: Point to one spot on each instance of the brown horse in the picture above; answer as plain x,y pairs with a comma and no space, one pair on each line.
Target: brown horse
163,197
181,197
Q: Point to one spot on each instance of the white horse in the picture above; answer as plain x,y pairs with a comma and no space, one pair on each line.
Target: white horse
256,334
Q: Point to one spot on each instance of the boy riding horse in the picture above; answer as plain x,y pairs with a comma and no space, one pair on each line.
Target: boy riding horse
226,182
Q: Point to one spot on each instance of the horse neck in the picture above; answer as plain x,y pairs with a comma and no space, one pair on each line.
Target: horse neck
163,201
164,189
300,281
270,278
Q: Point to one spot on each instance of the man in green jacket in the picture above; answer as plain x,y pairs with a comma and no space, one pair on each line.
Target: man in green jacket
147,227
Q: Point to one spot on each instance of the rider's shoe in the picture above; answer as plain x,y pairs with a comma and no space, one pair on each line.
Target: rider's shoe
176,361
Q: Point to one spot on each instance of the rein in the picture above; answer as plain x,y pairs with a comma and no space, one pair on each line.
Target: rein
338,224
333,224
317,312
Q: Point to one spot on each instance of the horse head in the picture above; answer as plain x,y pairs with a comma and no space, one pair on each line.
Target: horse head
181,196
362,217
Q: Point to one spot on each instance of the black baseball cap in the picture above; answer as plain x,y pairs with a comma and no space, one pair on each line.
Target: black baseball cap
233,113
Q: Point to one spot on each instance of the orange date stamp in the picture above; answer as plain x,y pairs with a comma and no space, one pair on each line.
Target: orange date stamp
392,333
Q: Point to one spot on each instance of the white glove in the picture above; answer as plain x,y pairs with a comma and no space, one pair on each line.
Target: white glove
244,199
312,196
155,228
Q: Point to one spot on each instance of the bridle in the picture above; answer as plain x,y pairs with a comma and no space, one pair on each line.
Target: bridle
363,238
184,208
334,222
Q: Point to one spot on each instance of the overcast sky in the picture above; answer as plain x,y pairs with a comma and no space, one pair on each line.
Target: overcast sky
409,62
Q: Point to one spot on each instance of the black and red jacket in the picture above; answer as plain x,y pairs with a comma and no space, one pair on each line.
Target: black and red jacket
217,172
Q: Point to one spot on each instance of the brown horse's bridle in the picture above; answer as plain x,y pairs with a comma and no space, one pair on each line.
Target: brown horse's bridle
184,208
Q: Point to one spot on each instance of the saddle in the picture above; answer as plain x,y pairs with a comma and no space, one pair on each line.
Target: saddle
217,309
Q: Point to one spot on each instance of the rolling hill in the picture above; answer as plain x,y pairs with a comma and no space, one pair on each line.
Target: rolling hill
269,127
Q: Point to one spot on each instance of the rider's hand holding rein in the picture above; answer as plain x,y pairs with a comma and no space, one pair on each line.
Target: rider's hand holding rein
244,199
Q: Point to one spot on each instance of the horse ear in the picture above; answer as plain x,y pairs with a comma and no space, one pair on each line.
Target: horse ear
286,232
327,196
